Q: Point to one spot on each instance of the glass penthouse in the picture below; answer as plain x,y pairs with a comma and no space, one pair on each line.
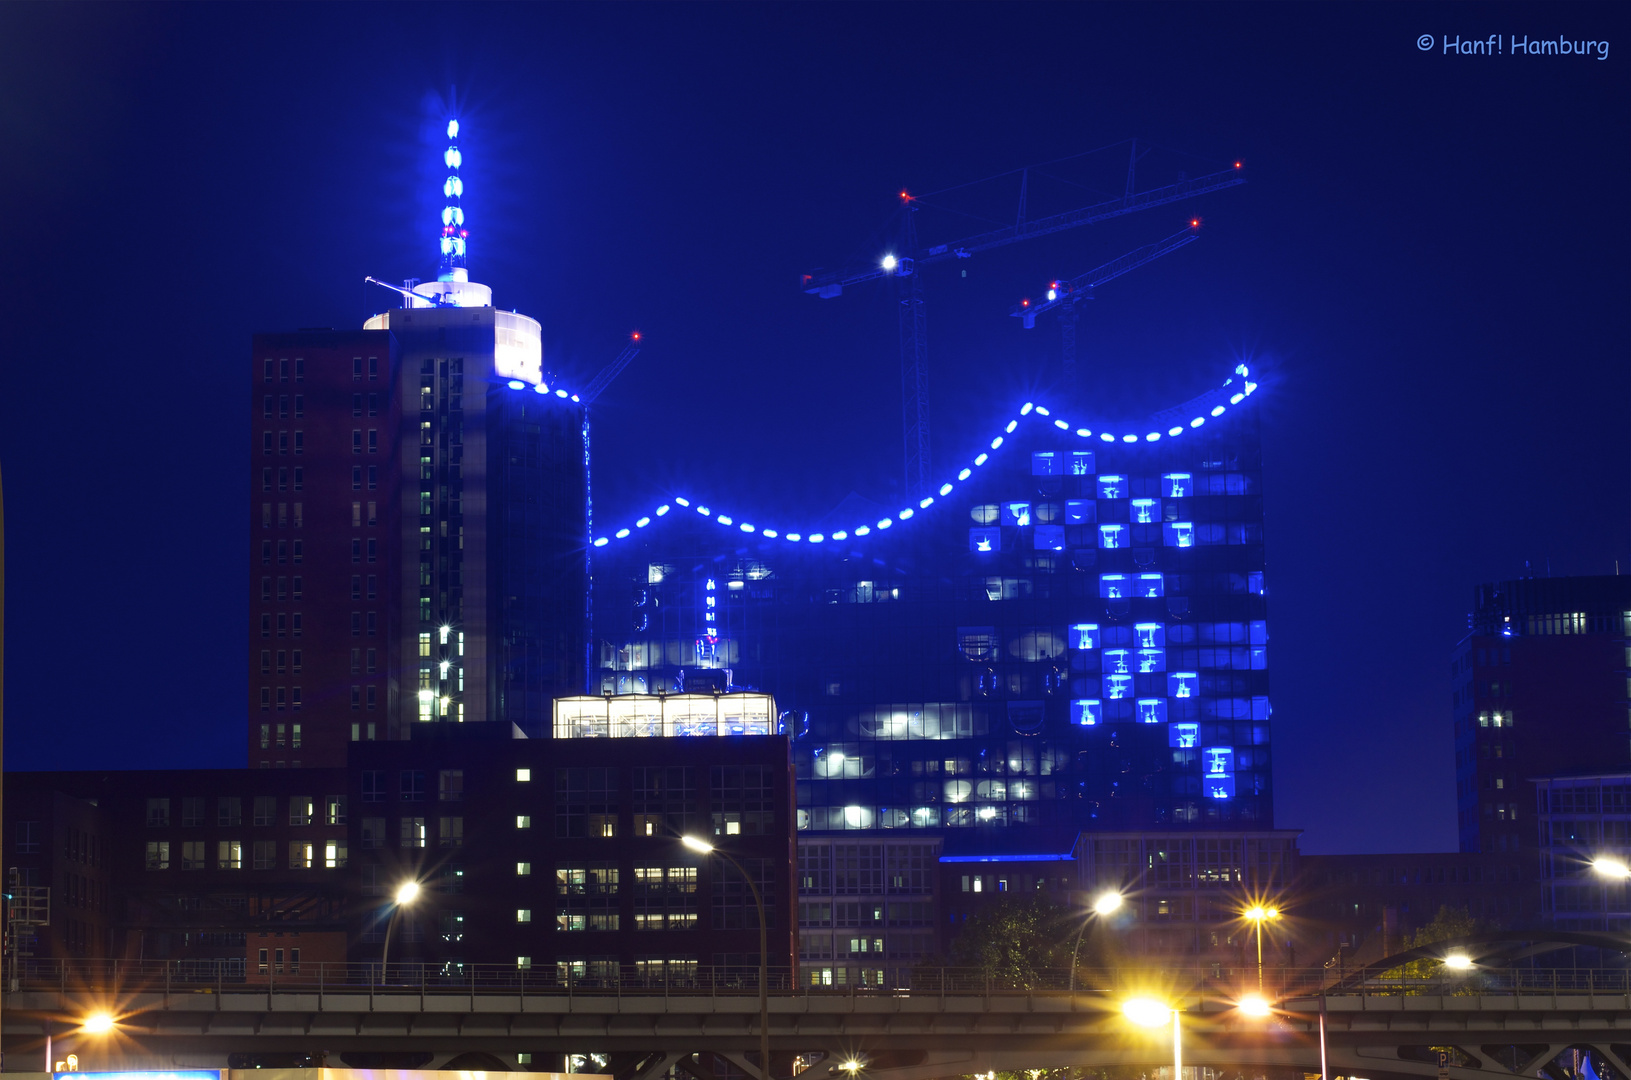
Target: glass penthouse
1068,634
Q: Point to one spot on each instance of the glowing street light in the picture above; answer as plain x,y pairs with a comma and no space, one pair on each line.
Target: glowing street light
1105,904
1150,1013
98,1023
1611,868
406,893
1254,1005
703,847
1458,962
889,264
1258,914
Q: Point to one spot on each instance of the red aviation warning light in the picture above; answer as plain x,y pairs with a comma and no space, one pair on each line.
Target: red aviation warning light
904,196
1195,223
635,336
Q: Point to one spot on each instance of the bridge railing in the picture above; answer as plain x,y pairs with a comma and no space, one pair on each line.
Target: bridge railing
1205,981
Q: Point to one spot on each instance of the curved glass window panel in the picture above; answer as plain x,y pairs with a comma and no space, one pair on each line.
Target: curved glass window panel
1112,486
1022,790
1117,687
958,791
1084,636
1081,511
1047,463
1178,534
1183,684
1118,661
977,642
986,514
1144,511
1151,585
1112,536
1114,586
1036,645
1049,538
1152,710
1046,513
995,790
1081,463
1177,485
1016,513
1151,660
1086,712
1183,736
1150,635
695,716
985,539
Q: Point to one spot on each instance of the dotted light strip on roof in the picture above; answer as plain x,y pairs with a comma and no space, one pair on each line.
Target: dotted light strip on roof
1209,406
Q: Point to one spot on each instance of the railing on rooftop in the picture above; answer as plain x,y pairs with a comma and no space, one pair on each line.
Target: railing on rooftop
1212,987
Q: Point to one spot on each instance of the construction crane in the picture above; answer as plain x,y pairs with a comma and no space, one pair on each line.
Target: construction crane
612,370
906,265
1065,295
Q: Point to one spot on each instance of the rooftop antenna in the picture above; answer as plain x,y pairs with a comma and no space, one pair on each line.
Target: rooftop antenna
454,235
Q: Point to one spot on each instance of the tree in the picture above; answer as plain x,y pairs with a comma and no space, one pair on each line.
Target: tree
1013,939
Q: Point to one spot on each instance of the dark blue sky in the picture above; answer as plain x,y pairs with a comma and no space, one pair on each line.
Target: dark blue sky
1429,265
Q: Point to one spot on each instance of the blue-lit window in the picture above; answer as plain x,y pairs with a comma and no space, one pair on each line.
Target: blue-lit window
1178,485
1153,711
977,642
1183,736
1049,538
1183,684
1254,583
1084,636
1016,513
1117,687
985,539
1046,463
1081,463
1119,661
1150,635
1151,585
1112,486
1081,511
1112,536
1114,586
1144,511
1218,772
1178,534
1151,660
1086,712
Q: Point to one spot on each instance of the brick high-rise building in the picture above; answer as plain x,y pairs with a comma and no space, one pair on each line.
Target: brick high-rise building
419,510
1540,690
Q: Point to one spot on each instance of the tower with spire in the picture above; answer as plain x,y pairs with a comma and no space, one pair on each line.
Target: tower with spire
434,496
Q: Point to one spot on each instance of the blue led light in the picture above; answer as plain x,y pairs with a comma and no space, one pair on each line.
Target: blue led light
997,442
745,527
1107,437
1025,410
945,489
1083,432
723,520
905,514
663,509
1040,411
862,530
683,502
1197,422
453,129
516,384
885,523
602,542
1237,399
621,533
965,474
642,523
560,393
794,537
1129,438
453,158
816,538
1250,387
1217,410
772,533
540,389
1153,436
574,397
1178,430
1061,425
704,511
1012,424
982,459
925,503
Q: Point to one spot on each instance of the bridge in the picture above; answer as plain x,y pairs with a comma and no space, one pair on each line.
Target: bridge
1382,1024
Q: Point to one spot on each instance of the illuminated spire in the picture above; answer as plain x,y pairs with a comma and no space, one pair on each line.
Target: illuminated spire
454,236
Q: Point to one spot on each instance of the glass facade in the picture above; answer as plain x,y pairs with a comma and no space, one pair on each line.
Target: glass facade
1073,636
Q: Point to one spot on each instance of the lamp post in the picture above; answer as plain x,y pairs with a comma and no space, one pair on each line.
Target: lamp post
1107,903
1147,1012
406,893
1259,914
703,847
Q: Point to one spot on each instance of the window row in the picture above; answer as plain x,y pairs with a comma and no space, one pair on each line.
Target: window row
283,479
411,785
283,518
287,588
285,697
278,442
229,855
282,412
288,624
357,475
303,810
282,369
285,548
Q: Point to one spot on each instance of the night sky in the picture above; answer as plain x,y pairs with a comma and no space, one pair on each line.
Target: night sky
1428,266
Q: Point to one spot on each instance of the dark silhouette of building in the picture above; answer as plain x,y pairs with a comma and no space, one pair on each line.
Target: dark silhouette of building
1539,690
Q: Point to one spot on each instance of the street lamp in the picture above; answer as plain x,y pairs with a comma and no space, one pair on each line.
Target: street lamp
1611,868
406,894
98,1023
1259,914
1150,1013
1458,962
1106,903
703,847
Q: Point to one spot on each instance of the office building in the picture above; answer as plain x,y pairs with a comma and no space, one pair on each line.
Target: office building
419,521
1584,837
1539,690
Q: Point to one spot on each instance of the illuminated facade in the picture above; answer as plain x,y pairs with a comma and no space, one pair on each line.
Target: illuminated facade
1540,689
419,511
1071,634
